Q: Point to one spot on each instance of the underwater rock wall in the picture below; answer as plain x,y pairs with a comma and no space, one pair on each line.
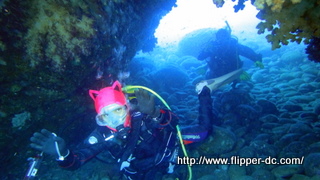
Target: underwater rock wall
52,52
289,21
57,33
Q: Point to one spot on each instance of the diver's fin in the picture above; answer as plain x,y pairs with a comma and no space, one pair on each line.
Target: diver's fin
218,82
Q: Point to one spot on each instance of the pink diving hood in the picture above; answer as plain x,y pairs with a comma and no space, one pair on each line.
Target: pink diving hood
109,95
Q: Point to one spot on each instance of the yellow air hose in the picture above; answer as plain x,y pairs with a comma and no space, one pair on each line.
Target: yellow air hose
130,89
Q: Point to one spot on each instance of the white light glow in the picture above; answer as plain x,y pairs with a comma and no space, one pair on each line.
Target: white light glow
190,15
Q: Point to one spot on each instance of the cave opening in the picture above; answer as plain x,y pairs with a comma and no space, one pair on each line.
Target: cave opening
193,15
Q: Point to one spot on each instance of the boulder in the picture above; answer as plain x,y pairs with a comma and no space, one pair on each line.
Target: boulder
222,141
312,164
267,107
285,171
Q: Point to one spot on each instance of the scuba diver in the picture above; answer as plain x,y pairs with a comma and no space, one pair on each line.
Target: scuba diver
140,137
223,54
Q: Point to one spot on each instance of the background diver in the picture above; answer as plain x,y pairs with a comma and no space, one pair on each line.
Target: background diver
223,55
141,137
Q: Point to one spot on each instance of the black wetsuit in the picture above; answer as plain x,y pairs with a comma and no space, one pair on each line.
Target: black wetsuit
224,58
151,143
147,141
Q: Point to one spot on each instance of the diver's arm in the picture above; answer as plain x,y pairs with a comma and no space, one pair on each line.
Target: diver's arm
87,151
77,158
209,50
249,53
52,144
203,55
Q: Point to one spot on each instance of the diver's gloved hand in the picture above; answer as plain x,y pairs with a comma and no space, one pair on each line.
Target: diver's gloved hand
46,141
146,103
245,76
259,64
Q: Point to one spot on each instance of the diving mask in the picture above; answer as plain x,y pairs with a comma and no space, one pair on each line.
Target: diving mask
112,115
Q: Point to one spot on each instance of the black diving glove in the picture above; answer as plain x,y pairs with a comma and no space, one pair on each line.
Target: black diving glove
258,62
146,103
244,76
48,142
